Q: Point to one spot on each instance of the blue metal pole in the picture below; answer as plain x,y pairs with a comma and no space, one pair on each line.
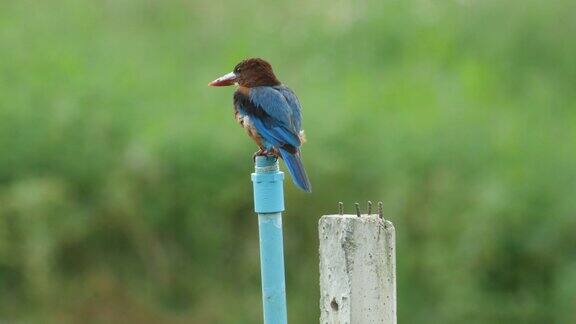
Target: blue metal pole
269,204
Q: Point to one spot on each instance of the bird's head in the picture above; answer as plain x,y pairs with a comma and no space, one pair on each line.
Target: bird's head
252,72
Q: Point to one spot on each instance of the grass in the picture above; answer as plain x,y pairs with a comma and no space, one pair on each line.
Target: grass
123,178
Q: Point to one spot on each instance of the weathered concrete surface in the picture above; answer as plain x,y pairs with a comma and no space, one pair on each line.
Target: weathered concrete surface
357,270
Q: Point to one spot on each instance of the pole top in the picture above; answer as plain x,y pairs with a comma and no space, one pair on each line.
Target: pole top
266,164
268,181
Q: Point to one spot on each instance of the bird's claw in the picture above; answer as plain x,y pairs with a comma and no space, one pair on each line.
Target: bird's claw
262,152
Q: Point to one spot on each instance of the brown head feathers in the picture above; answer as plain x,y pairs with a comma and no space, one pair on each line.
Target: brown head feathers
255,72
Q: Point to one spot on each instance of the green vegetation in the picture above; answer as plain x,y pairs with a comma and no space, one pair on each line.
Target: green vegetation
124,180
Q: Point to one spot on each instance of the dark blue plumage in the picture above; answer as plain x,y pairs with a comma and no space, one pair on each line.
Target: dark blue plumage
271,114
276,116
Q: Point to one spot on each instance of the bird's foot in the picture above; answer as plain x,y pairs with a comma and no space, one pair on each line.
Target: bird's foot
274,152
262,152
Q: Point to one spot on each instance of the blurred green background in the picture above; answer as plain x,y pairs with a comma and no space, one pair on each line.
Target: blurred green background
125,194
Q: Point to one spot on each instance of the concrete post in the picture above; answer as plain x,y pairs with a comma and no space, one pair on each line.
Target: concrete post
357,270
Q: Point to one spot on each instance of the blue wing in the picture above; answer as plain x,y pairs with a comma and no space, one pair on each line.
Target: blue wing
294,104
276,114
278,125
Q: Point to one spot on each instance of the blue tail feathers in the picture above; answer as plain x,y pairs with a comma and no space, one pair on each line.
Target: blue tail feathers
296,168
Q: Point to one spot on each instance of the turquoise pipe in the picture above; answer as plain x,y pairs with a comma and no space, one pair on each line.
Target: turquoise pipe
268,182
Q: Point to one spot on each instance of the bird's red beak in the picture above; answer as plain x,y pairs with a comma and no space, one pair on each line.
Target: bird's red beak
225,80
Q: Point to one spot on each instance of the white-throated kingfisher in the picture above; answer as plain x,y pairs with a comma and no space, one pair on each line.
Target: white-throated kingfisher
270,113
